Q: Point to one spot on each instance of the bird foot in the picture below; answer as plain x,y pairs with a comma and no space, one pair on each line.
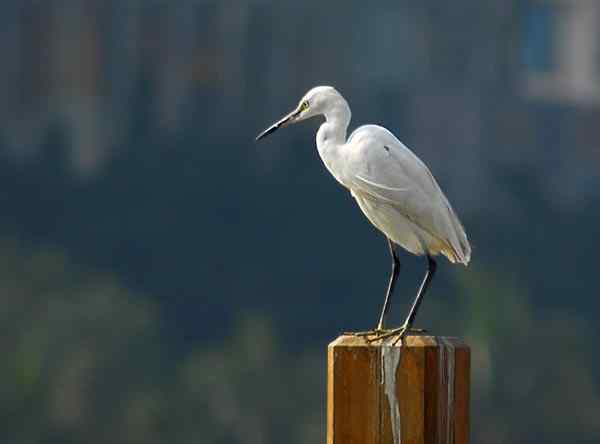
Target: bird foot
363,334
380,334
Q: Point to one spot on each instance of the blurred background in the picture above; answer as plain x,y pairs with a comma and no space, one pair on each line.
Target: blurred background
165,279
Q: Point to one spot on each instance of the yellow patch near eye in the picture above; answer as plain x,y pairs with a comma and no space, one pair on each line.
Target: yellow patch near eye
303,106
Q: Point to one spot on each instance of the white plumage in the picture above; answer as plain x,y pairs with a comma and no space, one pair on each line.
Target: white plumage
392,186
400,196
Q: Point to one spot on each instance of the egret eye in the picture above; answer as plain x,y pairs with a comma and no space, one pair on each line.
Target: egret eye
304,106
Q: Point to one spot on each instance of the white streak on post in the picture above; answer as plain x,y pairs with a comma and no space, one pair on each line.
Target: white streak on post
451,366
446,404
390,359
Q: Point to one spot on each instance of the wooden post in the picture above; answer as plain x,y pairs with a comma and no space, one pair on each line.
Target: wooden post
416,392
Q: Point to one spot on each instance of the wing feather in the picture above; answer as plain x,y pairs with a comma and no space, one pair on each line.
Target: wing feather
382,167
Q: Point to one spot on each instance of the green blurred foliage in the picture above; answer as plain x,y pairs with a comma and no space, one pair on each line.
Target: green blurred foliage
67,335
83,361
250,390
533,366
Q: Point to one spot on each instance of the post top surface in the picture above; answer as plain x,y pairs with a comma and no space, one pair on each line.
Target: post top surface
412,341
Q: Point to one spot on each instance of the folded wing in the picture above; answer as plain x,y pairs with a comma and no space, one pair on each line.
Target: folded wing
382,169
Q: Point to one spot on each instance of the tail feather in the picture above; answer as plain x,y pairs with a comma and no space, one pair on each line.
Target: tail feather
459,246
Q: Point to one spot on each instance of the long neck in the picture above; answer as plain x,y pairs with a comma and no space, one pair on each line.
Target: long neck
331,138
333,130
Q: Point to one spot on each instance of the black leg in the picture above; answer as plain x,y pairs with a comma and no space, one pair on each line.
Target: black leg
391,285
431,267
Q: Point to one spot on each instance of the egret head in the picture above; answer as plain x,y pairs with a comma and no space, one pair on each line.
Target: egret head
315,102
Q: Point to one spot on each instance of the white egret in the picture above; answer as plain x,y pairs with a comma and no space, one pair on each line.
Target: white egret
392,187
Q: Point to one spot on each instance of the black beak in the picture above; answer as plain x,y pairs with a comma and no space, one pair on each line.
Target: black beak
285,121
